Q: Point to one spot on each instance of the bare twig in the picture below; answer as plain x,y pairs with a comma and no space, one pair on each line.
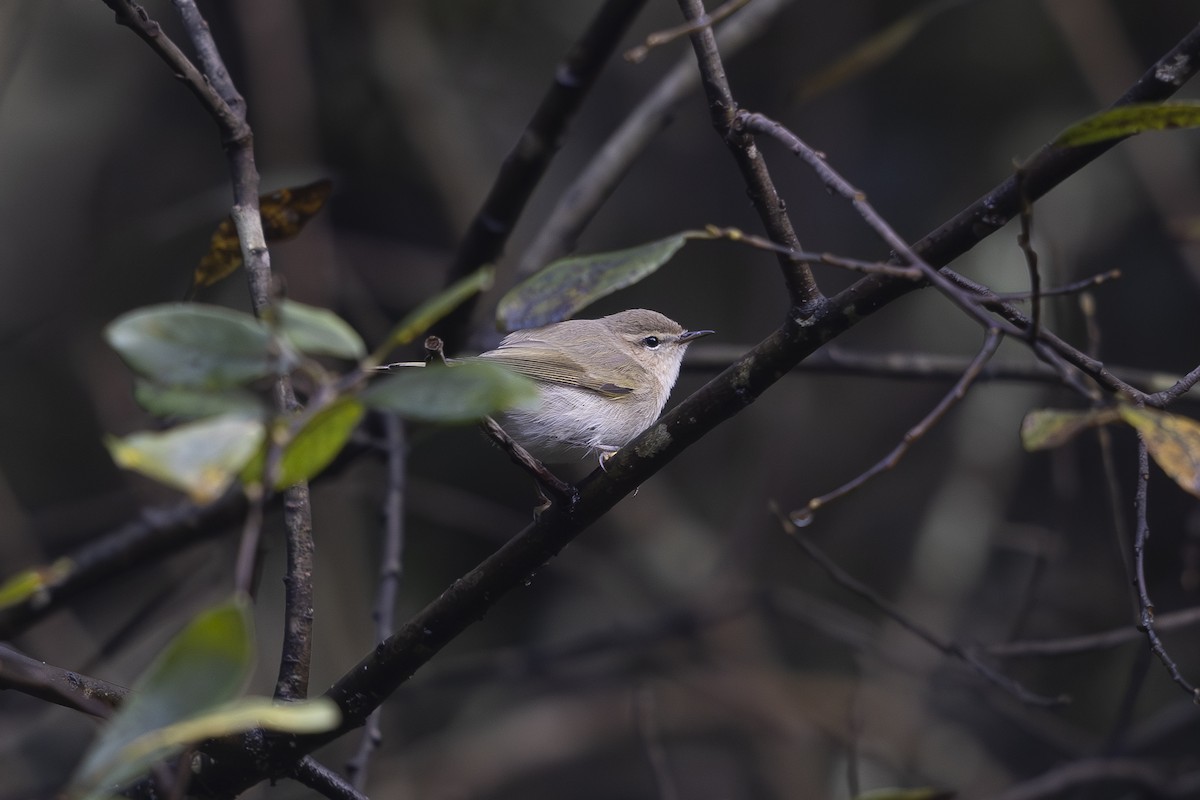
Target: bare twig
389,582
324,781
74,690
238,140
969,302
1145,606
1025,242
637,54
914,434
559,489
1074,287
575,207
296,656
1105,640
245,571
946,647
155,533
525,165
802,287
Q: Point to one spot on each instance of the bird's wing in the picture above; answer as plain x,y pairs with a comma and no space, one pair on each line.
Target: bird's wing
543,362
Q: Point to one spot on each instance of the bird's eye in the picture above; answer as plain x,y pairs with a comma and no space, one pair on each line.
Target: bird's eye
651,342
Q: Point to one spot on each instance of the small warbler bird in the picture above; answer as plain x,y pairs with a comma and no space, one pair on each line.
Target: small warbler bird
602,381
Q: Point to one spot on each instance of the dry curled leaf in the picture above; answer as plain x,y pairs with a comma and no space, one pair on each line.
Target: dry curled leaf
284,215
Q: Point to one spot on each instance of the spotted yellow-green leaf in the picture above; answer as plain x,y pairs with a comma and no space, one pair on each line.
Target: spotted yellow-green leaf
284,215
203,667
318,331
313,446
201,458
180,344
451,394
567,286
423,317
1172,441
1045,428
1123,121
31,582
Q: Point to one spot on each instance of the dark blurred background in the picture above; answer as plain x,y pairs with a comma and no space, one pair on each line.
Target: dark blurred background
720,654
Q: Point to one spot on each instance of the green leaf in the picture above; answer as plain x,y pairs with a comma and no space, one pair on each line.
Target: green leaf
193,345
421,318
308,716
1128,120
200,458
203,667
1045,428
1172,441
192,403
313,446
565,287
451,394
318,331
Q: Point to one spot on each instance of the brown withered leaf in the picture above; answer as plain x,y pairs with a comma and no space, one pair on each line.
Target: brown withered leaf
284,215
1173,442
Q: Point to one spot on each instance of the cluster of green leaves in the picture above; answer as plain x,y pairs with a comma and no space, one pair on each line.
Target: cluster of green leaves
200,364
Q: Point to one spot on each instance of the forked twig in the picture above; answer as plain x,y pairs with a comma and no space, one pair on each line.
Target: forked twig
914,434
1145,605
945,646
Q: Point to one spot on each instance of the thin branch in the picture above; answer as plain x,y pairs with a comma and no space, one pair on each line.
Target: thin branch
1181,387
245,571
946,647
1105,640
522,170
156,533
833,360
659,38
801,285
1025,243
914,434
389,581
134,17
238,141
560,490
1049,347
324,781
19,672
595,183
296,656
1148,776
1075,287
1145,605
833,181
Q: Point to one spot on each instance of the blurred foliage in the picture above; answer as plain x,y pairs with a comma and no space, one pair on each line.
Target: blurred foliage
683,636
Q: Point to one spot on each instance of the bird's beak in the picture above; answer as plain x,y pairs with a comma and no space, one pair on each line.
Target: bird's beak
687,336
